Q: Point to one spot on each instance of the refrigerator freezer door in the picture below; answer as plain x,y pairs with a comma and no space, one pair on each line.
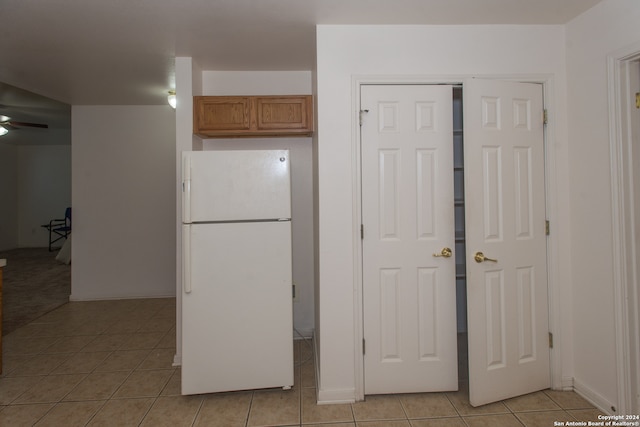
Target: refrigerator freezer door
237,327
236,185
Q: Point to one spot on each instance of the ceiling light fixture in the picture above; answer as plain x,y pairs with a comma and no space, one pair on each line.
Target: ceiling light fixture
171,99
3,131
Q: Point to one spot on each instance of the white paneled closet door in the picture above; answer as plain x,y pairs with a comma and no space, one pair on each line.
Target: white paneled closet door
505,240
409,285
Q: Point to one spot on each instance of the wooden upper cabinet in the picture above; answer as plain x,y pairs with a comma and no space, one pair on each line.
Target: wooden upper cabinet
247,116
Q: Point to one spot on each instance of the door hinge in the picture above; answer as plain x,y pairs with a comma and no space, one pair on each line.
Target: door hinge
545,116
361,113
364,347
550,340
361,231
546,227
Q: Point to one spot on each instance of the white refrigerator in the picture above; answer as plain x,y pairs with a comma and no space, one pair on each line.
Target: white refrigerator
237,313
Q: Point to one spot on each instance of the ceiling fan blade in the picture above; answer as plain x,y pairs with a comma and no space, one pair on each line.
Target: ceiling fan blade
25,124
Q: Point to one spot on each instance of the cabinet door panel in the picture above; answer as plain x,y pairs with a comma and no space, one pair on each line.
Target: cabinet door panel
223,113
283,113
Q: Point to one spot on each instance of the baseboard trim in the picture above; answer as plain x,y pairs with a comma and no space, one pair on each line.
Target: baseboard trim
336,397
302,334
566,384
594,398
329,397
177,360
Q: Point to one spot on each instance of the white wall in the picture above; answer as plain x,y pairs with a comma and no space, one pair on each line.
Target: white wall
279,83
8,196
609,26
433,51
229,83
35,187
124,204
44,190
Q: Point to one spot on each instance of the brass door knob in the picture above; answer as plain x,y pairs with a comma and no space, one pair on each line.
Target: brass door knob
479,257
445,252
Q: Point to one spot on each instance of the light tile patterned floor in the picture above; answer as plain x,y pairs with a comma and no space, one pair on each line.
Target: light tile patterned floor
108,363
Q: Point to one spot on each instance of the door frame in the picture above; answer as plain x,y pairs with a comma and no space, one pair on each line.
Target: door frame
625,273
551,196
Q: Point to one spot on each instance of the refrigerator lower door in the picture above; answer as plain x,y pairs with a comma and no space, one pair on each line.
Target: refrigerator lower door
237,320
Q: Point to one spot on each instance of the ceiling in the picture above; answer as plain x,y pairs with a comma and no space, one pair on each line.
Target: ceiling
121,52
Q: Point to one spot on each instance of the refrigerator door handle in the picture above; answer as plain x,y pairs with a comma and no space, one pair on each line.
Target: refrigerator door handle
186,258
186,201
186,187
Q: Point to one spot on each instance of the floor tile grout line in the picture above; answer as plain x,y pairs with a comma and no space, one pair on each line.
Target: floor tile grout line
53,405
195,417
246,421
519,420
300,402
404,410
146,413
104,403
61,399
94,370
446,395
86,374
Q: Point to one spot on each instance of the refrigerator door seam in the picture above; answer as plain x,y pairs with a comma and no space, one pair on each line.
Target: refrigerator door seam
241,221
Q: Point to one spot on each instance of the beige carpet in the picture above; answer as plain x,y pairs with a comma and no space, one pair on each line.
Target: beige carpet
34,283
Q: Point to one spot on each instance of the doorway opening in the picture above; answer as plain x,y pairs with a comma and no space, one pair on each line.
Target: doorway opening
459,219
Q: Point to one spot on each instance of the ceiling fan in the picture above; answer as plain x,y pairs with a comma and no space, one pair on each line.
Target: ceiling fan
6,124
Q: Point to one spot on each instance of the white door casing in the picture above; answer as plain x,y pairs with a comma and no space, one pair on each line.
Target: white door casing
409,298
624,84
507,303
